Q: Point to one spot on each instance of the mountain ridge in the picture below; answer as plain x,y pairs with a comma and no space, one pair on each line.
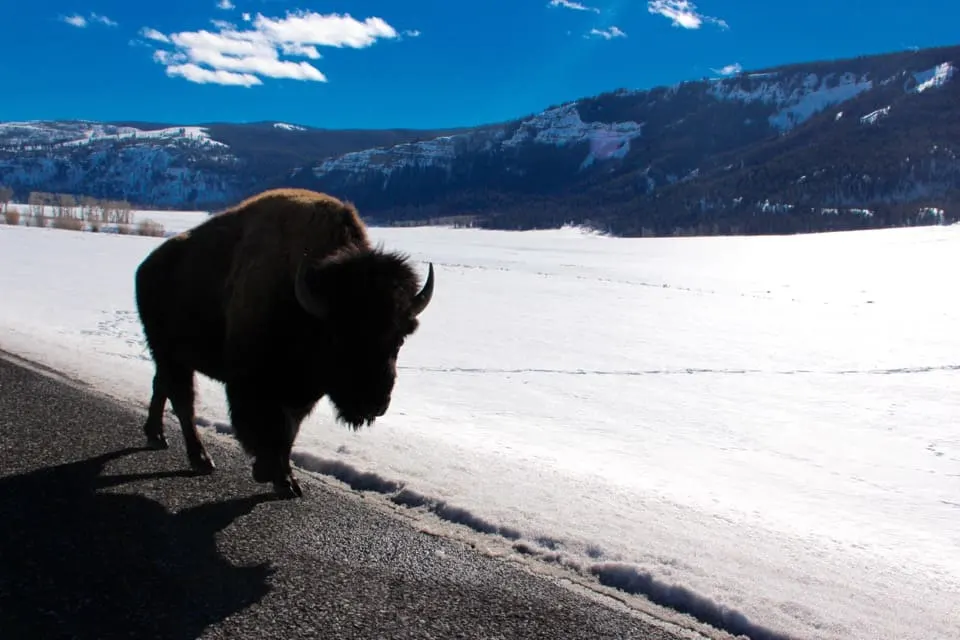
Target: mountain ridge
768,150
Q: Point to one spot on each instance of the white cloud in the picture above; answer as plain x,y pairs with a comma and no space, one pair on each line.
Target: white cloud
153,34
198,74
243,57
76,20
682,13
330,30
81,22
102,20
571,4
412,33
245,16
297,49
226,4
607,34
728,70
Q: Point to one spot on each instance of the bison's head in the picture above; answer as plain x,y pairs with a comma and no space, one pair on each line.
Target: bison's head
364,304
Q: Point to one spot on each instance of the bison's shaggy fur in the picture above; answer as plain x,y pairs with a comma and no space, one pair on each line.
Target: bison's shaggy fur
284,300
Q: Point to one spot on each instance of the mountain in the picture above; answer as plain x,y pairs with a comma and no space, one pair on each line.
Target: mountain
839,144
167,165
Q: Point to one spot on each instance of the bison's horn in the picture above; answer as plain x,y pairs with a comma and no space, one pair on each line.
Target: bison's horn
307,300
423,298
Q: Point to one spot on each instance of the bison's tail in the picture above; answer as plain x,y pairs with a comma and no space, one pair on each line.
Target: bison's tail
147,287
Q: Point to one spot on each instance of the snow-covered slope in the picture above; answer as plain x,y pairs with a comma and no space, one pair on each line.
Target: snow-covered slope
29,135
932,78
795,98
557,127
163,166
791,98
288,127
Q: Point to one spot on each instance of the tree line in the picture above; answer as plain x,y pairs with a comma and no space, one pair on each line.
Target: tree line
69,211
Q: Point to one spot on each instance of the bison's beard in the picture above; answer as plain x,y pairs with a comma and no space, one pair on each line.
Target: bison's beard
356,414
353,420
360,399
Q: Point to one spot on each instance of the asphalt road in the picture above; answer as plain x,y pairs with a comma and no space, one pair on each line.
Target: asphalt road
101,538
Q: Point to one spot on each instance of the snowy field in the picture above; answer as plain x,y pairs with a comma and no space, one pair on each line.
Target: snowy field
770,424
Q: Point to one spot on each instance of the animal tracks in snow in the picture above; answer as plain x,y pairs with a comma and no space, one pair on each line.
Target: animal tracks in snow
122,325
680,371
575,272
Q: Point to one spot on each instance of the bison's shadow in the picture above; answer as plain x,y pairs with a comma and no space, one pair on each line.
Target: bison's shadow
79,563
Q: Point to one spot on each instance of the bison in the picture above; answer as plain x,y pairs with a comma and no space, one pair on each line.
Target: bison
283,299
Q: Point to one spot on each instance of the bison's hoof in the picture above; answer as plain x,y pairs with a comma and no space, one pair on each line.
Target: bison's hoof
288,488
202,463
157,441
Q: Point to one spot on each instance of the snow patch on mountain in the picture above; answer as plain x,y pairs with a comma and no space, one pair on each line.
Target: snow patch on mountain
933,78
798,98
195,134
146,172
560,126
436,153
36,134
873,116
604,146
288,127
563,125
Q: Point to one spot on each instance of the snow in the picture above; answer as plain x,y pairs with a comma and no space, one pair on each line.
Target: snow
560,126
874,116
798,97
760,431
288,127
161,166
198,134
80,133
932,78
156,170
563,125
438,152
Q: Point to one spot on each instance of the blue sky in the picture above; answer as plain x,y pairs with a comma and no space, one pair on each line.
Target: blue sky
416,63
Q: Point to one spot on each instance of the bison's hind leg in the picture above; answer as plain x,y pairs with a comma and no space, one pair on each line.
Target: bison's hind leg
179,387
153,427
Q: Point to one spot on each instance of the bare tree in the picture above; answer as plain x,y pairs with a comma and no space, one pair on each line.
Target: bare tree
103,209
10,216
124,212
66,217
66,204
85,206
37,201
6,193
92,212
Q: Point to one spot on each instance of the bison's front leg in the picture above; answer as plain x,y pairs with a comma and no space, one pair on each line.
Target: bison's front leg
262,426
